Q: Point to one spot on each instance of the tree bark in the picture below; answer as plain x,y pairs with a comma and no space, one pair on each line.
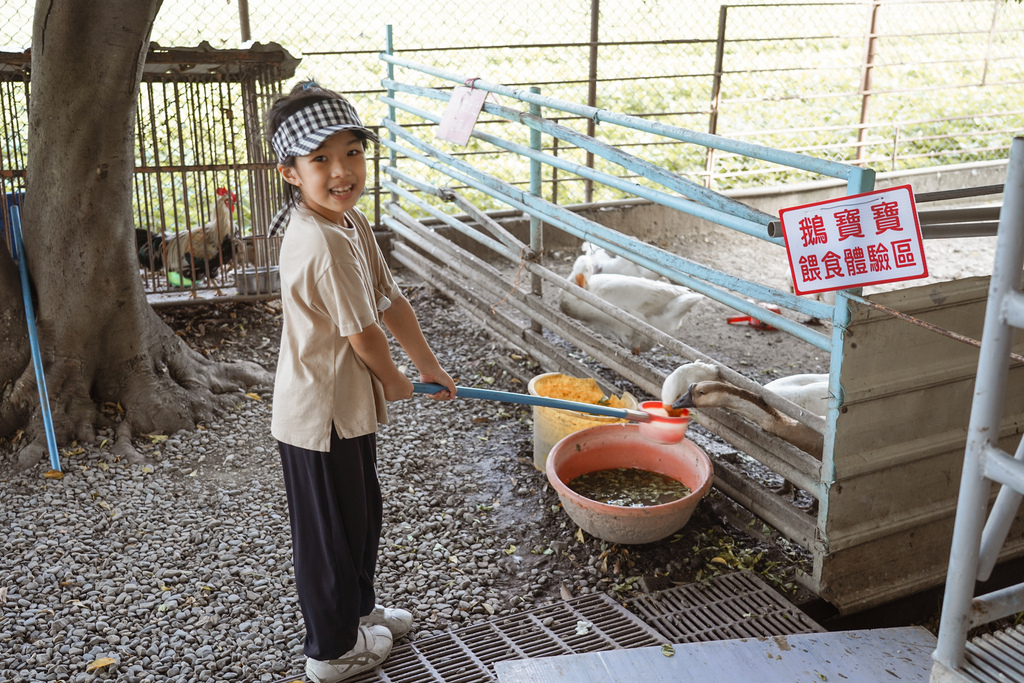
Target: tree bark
101,341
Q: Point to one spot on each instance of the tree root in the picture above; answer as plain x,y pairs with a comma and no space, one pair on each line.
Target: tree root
173,389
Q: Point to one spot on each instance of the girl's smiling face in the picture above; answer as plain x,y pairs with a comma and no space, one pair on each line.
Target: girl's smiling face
331,178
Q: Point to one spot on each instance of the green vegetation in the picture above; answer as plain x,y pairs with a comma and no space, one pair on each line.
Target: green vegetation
944,82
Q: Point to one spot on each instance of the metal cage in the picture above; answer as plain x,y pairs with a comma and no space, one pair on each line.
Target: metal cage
198,128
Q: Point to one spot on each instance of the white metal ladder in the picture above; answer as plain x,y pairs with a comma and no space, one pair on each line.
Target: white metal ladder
977,537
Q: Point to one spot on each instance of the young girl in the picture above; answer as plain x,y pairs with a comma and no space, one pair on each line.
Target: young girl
334,375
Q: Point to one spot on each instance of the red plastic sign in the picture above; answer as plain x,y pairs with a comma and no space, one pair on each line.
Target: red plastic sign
854,241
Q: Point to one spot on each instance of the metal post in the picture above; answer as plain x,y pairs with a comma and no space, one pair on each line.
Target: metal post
33,337
390,49
861,180
243,19
983,429
536,229
865,78
716,91
595,26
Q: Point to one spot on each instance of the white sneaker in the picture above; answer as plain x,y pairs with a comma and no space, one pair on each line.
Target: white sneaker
397,621
373,645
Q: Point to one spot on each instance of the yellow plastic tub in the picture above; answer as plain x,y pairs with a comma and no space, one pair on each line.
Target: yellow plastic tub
551,424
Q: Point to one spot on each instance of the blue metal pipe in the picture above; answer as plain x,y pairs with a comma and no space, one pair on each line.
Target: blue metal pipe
536,235
694,209
630,162
531,400
390,47
483,239
674,267
33,336
792,159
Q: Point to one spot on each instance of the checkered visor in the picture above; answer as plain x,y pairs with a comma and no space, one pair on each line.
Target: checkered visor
305,130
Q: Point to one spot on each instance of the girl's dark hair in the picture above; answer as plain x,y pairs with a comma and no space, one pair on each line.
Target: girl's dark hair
303,94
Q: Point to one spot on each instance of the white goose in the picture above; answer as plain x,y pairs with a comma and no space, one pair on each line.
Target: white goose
660,304
680,379
713,394
809,391
603,261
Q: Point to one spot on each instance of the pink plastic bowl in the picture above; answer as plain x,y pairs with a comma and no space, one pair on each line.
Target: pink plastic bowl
621,445
662,428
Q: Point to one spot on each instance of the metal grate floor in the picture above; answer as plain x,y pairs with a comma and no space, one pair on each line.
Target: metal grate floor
737,605
993,658
467,655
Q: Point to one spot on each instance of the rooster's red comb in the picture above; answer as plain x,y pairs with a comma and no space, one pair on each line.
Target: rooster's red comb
222,191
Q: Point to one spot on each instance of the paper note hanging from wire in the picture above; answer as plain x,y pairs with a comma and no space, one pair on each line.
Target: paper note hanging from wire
461,114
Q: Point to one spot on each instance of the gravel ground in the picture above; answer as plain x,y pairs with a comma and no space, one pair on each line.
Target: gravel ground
180,569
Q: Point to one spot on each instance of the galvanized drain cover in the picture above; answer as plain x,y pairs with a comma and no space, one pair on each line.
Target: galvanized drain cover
467,655
737,605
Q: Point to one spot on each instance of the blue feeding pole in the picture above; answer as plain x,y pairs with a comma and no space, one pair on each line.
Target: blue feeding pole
33,335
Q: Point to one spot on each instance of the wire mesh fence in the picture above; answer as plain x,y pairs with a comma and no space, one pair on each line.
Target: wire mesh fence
889,85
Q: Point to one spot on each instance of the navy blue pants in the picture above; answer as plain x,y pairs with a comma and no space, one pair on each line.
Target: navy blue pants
335,510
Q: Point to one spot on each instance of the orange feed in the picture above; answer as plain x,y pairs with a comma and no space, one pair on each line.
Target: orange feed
581,390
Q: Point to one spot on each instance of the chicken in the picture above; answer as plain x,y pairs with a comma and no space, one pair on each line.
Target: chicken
603,261
196,253
659,304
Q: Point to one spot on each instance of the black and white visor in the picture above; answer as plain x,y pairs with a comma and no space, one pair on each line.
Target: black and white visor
304,131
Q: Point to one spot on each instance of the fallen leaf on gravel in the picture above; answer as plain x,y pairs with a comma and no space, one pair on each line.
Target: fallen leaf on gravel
193,473
146,469
103,466
53,474
156,438
564,591
579,535
490,610
99,664
3,595
74,451
509,550
254,396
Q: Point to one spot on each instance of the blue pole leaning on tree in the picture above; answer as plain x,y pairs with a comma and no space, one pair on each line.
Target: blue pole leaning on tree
33,335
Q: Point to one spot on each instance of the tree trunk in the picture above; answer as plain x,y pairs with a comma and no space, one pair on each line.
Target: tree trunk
102,343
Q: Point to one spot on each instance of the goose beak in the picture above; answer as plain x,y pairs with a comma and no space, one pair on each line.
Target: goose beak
686,400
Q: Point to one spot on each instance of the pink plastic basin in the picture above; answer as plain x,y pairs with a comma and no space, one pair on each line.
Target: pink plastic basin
621,445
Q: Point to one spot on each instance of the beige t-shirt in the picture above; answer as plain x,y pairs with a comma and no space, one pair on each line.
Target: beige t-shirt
332,278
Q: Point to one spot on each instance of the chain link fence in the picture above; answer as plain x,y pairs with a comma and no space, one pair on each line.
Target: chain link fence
890,85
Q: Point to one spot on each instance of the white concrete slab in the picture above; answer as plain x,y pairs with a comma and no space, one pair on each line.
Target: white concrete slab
893,654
